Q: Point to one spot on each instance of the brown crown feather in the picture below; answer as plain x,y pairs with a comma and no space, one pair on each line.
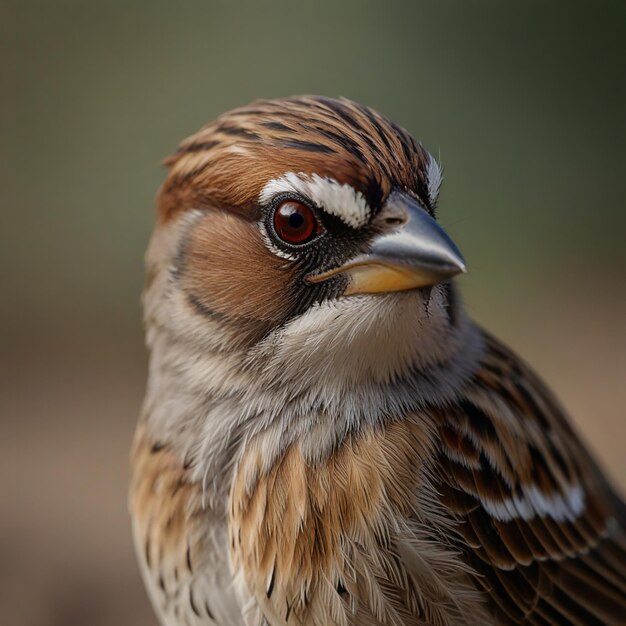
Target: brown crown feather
226,164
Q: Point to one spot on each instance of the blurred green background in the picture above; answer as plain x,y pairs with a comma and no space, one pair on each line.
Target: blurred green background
524,102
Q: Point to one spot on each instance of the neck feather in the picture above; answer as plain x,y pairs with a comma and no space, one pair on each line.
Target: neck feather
341,367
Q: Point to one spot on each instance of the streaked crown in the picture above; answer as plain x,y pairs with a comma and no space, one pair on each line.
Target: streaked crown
228,163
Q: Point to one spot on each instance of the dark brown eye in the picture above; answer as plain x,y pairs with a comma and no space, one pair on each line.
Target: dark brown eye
295,222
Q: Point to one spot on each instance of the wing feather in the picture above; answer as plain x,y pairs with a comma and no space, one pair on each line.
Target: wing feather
538,522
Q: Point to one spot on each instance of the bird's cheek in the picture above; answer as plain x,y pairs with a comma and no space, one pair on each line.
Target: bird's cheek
226,271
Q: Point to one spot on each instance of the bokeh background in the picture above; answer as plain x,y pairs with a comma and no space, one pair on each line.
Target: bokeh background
524,102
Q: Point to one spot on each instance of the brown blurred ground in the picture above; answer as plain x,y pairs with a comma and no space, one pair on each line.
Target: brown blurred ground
525,104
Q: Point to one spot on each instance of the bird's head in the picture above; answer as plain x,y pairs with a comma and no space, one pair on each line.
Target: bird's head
307,218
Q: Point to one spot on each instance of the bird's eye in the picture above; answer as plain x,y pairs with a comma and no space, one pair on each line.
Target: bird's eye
295,223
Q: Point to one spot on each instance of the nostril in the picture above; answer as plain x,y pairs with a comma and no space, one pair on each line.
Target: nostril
394,221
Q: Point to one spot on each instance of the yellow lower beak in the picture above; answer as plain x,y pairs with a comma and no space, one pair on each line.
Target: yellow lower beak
379,277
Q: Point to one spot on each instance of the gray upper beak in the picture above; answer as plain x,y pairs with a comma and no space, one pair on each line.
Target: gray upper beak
410,251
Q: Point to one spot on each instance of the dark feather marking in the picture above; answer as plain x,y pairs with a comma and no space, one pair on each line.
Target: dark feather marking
188,559
515,541
246,112
238,132
428,294
374,194
535,410
341,141
551,615
147,550
479,421
460,444
309,103
341,590
207,608
192,603
180,483
341,110
309,146
270,588
404,135
488,481
186,177
376,150
540,472
382,134
276,126
518,588
451,303
408,154
559,459
205,310
492,585
366,111
198,146
570,608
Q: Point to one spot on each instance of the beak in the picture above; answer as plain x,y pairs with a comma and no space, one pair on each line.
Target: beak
410,251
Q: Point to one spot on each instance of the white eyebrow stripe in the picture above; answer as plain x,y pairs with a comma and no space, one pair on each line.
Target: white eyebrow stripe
338,199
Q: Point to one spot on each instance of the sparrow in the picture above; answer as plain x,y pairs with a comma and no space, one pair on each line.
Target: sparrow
327,439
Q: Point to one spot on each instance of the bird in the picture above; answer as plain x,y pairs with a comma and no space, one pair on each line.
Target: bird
327,438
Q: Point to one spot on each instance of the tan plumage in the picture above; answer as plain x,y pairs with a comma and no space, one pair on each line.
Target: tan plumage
309,457
324,539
